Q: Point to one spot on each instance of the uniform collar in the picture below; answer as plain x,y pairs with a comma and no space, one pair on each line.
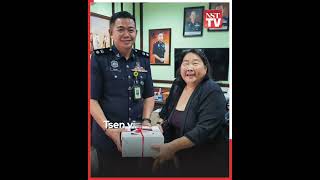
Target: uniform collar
118,55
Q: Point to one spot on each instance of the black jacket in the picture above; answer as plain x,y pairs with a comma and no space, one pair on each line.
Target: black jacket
204,125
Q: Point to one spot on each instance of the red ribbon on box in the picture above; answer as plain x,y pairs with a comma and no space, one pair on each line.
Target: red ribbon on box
139,130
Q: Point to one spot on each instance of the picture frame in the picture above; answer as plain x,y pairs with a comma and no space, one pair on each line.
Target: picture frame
99,31
160,46
225,15
193,21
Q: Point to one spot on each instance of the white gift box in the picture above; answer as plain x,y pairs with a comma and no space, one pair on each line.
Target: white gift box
138,143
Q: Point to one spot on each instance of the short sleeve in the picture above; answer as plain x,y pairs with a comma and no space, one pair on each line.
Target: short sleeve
148,88
96,78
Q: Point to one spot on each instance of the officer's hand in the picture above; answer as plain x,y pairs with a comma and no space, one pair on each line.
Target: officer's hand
162,59
146,123
114,134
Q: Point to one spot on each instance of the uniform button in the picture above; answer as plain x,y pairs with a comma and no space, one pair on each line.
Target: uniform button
129,118
129,88
129,98
129,77
115,76
129,109
128,66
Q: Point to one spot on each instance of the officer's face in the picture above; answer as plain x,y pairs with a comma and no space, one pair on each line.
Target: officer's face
193,16
123,32
160,37
192,69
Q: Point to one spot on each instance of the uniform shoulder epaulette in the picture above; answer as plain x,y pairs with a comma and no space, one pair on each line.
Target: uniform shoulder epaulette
102,51
141,53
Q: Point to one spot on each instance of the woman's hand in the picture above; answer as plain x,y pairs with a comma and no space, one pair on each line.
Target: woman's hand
166,152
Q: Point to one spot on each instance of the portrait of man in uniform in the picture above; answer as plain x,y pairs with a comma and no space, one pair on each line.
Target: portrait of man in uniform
224,7
159,46
193,21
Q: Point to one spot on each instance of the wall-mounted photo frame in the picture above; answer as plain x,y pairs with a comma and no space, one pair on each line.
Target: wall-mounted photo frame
225,15
99,31
159,46
193,21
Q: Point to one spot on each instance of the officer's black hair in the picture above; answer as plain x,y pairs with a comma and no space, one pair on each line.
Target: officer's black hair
204,59
121,14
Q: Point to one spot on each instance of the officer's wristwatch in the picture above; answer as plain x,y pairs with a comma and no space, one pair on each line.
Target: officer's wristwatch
146,119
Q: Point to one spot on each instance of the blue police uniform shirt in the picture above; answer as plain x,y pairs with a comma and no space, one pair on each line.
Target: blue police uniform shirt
111,85
159,49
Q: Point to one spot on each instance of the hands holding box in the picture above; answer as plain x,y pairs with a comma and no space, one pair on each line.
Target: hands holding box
138,143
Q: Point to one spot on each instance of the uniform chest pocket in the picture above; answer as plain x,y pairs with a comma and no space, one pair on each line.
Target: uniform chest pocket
114,75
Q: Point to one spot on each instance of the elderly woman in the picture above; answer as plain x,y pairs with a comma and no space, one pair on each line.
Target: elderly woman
194,126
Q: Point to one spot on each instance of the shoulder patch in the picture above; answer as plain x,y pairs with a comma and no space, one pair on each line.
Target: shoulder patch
103,51
141,53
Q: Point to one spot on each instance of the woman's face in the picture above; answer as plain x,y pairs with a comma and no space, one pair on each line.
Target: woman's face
192,69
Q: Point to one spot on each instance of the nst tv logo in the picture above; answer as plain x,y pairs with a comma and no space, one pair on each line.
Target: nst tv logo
212,18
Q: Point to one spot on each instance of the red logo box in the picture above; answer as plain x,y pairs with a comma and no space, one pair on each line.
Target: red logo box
212,18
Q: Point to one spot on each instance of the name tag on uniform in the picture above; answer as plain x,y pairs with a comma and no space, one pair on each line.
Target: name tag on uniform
137,92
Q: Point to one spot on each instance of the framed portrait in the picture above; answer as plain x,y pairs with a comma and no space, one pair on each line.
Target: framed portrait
159,46
225,15
99,34
193,21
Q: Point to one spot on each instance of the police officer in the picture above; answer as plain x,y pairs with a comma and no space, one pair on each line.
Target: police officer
159,48
121,92
192,25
